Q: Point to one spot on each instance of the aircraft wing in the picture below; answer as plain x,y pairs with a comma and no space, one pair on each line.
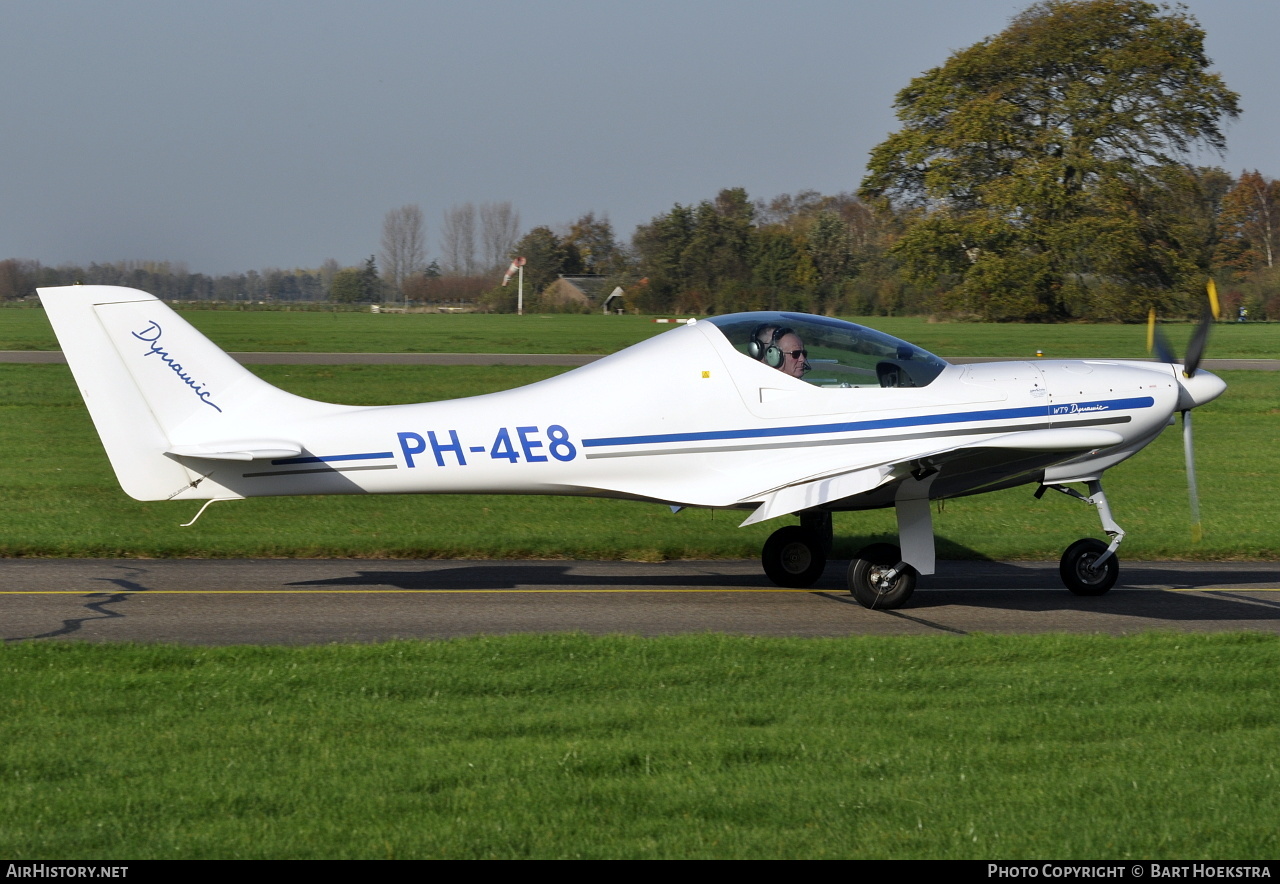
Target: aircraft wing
1034,449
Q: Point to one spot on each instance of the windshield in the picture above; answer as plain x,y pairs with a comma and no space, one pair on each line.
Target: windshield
838,353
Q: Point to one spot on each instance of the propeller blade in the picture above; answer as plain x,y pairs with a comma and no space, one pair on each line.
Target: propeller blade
1213,299
1188,450
1195,349
1156,342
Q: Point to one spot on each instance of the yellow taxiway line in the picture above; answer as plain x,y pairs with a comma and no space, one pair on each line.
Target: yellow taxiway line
357,591
82,592
1228,589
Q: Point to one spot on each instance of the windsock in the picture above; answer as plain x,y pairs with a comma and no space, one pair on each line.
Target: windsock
516,264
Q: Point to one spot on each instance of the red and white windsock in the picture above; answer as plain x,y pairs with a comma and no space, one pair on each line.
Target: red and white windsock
516,264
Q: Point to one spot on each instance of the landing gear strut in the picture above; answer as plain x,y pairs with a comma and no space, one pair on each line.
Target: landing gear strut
1090,567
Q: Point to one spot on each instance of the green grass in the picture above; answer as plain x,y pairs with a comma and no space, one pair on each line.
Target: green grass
550,333
380,333
1074,340
1145,747
61,499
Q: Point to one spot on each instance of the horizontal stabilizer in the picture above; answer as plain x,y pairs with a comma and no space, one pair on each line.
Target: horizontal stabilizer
257,449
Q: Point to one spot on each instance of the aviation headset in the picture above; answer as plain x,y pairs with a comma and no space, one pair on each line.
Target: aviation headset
768,351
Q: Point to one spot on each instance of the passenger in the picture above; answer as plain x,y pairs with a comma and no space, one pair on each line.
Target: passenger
781,348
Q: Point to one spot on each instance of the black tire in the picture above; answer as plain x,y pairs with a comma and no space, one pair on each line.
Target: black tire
866,578
1078,573
793,557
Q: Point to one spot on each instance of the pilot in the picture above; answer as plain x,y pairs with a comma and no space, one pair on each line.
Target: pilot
781,348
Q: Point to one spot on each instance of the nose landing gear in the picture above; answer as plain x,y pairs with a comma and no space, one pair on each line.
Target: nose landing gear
1089,566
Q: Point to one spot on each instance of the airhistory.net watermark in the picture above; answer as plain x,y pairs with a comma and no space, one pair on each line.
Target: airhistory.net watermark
64,870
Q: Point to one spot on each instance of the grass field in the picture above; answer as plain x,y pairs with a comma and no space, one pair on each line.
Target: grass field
61,498
27,329
1082,747
1031,747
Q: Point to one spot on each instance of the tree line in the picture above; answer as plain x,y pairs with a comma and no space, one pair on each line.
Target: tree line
809,252
1041,174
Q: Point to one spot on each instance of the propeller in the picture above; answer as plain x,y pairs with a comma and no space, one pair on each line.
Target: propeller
1191,394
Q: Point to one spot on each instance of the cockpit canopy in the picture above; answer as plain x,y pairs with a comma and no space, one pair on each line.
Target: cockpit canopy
840,354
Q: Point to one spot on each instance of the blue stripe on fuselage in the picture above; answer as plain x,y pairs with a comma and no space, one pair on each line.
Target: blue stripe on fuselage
1000,414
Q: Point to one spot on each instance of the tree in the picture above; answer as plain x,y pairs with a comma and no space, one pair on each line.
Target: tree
17,278
345,287
1026,160
545,258
499,230
403,245
830,246
370,282
697,259
328,270
778,264
660,245
593,239
458,241
1251,222
786,210
719,252
353,284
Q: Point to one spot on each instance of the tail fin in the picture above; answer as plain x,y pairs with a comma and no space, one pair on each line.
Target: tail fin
158,390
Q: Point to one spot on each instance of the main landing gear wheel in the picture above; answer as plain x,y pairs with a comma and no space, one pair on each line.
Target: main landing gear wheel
869,580
794,556
1079,572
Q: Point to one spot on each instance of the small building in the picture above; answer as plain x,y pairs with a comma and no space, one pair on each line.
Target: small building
586,291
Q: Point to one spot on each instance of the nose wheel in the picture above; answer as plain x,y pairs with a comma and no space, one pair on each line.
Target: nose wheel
1084,570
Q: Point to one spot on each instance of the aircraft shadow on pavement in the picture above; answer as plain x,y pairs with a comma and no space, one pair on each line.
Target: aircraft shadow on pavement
1153,604
531,575
1013,587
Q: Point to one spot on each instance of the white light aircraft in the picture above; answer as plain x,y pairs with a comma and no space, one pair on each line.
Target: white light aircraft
700,416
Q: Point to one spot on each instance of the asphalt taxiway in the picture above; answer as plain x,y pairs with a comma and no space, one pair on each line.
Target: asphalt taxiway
316,601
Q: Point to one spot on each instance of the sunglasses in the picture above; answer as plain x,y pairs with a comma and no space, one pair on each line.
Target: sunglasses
797,354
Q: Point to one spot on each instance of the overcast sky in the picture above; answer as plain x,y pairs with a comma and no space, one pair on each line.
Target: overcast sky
235,135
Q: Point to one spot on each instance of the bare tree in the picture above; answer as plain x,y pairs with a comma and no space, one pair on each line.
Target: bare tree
499,229
327,271
458,241
403,245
